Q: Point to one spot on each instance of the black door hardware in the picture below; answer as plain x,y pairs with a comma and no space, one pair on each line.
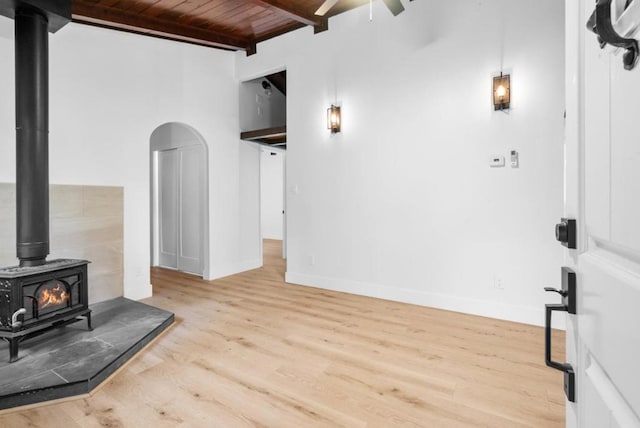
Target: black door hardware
600,23
567,290
566,232
568,293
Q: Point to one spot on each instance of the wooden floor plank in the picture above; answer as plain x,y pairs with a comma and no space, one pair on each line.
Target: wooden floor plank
250,350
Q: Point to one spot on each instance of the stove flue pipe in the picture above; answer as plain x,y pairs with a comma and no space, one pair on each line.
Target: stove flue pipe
32,135
34,19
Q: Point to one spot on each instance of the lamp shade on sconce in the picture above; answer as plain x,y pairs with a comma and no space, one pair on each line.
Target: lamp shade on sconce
501,92
333,119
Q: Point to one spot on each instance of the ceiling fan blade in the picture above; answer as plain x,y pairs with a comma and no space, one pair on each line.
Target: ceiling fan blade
394,6
324,8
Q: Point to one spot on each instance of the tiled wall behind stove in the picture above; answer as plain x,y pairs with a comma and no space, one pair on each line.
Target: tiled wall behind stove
86,223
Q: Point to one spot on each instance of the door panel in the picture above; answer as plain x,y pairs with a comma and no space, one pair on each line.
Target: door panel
609,320
181,184
603,403
168,207
597,161
190,206
596,409
625,156
604,337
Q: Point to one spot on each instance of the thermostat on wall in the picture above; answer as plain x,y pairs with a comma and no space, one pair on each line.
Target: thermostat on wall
515,163
496,161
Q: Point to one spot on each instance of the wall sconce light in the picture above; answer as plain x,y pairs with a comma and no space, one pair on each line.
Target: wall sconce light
501,92
333,118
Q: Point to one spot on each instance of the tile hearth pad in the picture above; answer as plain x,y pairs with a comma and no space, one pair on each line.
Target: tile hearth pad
73,361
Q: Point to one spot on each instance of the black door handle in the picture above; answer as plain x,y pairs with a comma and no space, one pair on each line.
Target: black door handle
568,293
563,367
566,368
600,23
563,293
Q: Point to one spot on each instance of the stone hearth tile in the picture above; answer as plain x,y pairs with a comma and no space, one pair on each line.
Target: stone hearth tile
39,363
38,380
73,360
87,367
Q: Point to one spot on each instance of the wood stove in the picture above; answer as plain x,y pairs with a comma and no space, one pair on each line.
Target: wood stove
36,299
37,295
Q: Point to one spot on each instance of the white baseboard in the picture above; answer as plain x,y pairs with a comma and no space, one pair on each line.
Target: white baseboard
485,308
232,269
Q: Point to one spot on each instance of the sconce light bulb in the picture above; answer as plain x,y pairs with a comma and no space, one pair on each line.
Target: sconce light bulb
501,91
333,119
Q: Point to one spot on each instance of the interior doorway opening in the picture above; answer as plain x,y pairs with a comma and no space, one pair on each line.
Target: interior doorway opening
272,196
179,199
263,119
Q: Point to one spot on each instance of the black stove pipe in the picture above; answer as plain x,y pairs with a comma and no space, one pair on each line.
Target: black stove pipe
32,135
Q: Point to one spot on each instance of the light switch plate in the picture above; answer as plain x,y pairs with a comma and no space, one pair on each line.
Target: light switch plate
496,161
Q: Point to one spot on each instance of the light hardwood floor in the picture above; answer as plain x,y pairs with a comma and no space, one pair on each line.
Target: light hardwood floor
252,351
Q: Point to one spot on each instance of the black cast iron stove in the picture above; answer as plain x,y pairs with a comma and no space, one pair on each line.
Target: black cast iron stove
37,295
36,299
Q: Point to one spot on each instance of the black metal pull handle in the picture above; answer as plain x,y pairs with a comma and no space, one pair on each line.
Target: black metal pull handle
600,23
569,303
566,368
563,367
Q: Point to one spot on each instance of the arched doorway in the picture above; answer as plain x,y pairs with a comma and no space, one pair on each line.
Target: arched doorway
179,199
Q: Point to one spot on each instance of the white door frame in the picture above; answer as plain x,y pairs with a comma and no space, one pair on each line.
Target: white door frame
173,135
245,79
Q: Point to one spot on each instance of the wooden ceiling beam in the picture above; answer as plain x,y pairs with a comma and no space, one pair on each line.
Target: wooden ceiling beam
119,19
286,8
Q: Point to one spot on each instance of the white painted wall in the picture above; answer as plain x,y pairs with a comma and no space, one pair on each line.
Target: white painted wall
402,204
108,91
259,110
271,192
249,240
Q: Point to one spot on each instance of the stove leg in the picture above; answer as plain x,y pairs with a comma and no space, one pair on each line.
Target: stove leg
13,350
89,321
87,317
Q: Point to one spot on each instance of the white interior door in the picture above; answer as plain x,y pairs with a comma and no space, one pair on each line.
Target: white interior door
168,208
603,194
190,209
180,195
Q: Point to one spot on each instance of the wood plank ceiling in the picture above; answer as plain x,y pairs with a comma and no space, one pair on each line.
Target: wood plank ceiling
225,24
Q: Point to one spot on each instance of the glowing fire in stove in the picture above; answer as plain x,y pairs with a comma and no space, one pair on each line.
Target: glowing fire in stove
53,296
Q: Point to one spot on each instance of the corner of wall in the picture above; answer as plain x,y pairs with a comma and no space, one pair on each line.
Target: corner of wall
138,292
218,272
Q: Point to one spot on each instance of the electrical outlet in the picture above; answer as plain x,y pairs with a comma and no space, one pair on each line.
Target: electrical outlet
498,283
